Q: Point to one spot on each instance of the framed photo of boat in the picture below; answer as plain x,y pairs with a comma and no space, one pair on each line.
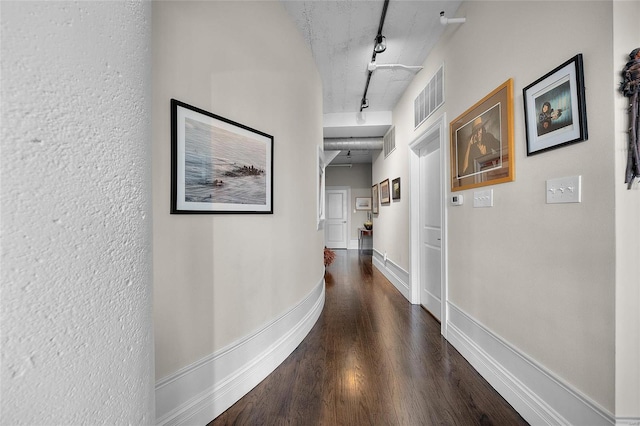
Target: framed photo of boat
218,165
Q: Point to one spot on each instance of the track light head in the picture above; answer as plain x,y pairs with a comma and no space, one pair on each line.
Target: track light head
381,44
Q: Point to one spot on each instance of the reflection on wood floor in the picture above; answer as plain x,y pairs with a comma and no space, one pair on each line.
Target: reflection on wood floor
371,359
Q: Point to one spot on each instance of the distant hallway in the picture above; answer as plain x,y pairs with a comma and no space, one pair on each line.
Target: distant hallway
371,359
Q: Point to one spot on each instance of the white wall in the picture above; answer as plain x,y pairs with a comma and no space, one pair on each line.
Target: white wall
219,278
77,342
391,224
540,277
626,37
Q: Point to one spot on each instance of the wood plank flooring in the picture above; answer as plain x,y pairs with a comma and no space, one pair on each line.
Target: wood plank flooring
371,359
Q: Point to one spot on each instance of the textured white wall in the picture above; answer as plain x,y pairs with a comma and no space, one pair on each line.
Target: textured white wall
77,343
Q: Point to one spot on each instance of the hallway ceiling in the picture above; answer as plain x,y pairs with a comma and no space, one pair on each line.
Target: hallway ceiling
341,36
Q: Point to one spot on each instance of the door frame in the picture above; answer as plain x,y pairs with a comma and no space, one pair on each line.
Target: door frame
437,130
348,189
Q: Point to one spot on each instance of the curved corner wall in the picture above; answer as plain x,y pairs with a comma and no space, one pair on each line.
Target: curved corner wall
234,294
77,336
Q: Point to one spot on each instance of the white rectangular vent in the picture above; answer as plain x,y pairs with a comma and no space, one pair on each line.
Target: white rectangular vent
430,99
389,142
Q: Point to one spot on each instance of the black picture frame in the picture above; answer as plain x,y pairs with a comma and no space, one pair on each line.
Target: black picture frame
555,109
395,189
218,165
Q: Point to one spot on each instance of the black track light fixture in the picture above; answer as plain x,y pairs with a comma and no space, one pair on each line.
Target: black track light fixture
381,44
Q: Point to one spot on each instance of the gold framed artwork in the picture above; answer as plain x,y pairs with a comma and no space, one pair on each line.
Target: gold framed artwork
482,151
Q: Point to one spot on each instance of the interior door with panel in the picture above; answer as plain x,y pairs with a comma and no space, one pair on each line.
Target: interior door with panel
335,228
430,229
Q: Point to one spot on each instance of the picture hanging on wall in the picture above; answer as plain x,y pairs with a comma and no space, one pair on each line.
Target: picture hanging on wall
395,189
363,203
482,150
374,199
384,192
554,108
218,165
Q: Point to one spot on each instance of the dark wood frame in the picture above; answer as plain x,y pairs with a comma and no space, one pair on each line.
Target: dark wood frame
222,131
385,193
562,91
395,191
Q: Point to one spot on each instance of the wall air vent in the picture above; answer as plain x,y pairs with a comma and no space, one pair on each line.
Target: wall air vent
389,142
430,99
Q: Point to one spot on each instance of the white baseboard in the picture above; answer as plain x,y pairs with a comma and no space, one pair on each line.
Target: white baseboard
200,392
395,274
627,421
539,397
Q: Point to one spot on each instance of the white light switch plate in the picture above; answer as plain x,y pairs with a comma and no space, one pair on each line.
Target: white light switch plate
483,198
564,190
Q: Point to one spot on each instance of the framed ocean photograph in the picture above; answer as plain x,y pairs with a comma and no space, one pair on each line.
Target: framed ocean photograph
554,108
218,165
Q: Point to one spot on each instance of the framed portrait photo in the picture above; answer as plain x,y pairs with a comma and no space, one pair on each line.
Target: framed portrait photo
554,108
218,165
481,140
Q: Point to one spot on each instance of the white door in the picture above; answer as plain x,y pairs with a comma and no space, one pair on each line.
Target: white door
430,229
335,226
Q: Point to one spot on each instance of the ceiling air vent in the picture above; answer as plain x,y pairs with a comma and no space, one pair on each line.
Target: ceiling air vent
430,99
389,142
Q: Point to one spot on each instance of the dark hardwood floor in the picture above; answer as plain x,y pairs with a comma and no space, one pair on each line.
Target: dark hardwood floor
371,359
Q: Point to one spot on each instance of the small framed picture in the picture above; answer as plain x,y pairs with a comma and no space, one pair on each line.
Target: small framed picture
554,108
375,199
218,165
363,203
384,192
395,189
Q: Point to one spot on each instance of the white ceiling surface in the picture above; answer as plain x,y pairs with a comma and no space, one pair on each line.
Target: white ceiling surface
341,37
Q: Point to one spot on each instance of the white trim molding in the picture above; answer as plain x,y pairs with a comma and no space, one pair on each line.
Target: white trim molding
540,397
395,274
203,390
436,131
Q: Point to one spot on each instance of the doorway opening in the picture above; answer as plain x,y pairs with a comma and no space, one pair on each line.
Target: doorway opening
428,272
